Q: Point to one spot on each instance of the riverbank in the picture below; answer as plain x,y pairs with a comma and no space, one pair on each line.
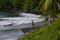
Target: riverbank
27,31
48,32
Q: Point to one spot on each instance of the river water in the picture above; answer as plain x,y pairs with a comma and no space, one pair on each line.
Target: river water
13,34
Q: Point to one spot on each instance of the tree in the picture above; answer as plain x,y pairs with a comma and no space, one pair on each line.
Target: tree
34,3
26,4
50,7
19,4
39,5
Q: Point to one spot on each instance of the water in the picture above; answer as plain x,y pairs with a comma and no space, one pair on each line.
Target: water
13,34
10,34
8,14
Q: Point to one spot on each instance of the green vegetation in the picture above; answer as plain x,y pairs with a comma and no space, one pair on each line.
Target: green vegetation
29,4
49,32
10,4
51,7
45,6
18,4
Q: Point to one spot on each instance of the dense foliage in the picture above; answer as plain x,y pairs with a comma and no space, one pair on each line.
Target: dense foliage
18,4
51,7
29,4
49,32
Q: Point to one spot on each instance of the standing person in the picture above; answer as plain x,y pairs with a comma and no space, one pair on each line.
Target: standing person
33,24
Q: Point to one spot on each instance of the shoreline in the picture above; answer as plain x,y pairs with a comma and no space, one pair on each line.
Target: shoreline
27,31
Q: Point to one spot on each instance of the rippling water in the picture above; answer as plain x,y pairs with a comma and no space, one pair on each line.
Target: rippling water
10,34
15,33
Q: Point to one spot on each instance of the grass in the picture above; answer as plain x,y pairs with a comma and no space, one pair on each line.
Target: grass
49,32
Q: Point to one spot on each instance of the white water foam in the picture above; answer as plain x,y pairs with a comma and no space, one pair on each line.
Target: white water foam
14,34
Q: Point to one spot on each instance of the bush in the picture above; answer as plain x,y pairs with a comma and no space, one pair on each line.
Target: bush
49,32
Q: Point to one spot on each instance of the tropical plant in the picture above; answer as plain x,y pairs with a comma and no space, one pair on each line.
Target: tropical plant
51,7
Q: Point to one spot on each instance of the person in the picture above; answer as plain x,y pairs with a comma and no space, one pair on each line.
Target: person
33,24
